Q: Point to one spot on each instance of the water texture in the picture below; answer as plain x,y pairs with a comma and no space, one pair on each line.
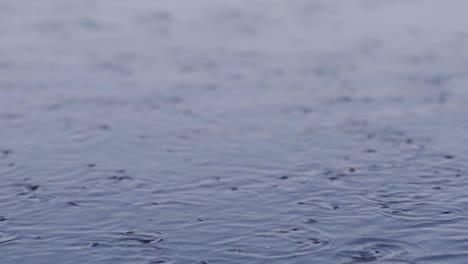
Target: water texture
235,131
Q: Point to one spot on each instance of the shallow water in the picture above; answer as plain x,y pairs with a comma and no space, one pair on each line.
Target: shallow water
208,131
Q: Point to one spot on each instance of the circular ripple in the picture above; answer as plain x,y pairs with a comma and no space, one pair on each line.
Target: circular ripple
409,210
285,242
377,249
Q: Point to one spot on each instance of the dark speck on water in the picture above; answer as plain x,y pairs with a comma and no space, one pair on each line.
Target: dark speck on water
94,244
73,203
120,178
266,131
32,187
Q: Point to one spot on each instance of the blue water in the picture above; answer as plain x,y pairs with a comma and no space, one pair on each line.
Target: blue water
238,131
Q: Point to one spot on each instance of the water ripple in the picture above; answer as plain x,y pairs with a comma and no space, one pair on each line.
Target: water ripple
377,249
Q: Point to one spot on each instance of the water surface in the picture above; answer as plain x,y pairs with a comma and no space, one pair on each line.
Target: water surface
261,131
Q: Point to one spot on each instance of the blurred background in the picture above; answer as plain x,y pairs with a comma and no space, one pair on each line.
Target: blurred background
259,131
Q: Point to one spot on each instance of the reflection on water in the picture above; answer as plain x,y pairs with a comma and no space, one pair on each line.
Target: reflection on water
233,132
